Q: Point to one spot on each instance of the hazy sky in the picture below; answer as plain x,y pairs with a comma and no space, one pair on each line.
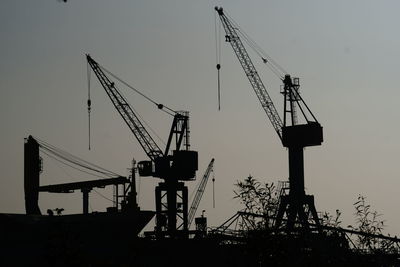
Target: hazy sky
346,54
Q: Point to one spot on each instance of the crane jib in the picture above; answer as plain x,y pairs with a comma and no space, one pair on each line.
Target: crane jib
124,109
182,164
251,73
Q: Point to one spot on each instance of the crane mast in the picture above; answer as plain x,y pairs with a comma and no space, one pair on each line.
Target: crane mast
298,207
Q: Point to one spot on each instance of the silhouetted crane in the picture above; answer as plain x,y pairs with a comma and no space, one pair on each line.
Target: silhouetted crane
199,192
293,135
173,168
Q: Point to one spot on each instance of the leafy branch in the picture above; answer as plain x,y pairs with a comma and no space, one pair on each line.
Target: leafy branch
257,198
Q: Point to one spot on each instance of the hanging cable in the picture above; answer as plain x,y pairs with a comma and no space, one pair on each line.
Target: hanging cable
267,60
75,163
57,163
148,126
103,196
71,166
89,101
219,87
74,159
264,57
159,106
218,55
80,164
77,159
213,181
143,121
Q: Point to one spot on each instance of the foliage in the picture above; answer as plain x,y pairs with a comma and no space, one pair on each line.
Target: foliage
258,198
367,221
262,200
331,220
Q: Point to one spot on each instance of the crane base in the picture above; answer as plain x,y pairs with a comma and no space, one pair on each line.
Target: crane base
300,214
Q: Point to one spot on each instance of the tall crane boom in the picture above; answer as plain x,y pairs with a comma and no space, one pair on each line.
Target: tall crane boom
293,135
174,168
251,72
146,141
199,193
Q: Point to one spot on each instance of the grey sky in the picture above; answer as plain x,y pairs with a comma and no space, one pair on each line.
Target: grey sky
346,54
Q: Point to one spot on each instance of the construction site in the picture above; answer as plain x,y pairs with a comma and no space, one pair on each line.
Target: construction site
274,224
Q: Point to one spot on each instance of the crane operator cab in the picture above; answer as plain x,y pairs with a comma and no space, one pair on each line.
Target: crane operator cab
181,165
302,135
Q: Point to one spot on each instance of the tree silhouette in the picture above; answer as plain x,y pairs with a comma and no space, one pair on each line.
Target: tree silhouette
258,198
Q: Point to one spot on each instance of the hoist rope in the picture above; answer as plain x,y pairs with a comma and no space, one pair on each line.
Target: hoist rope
141,118
160,106
217,30
89,101
267,59
213,188
148,126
